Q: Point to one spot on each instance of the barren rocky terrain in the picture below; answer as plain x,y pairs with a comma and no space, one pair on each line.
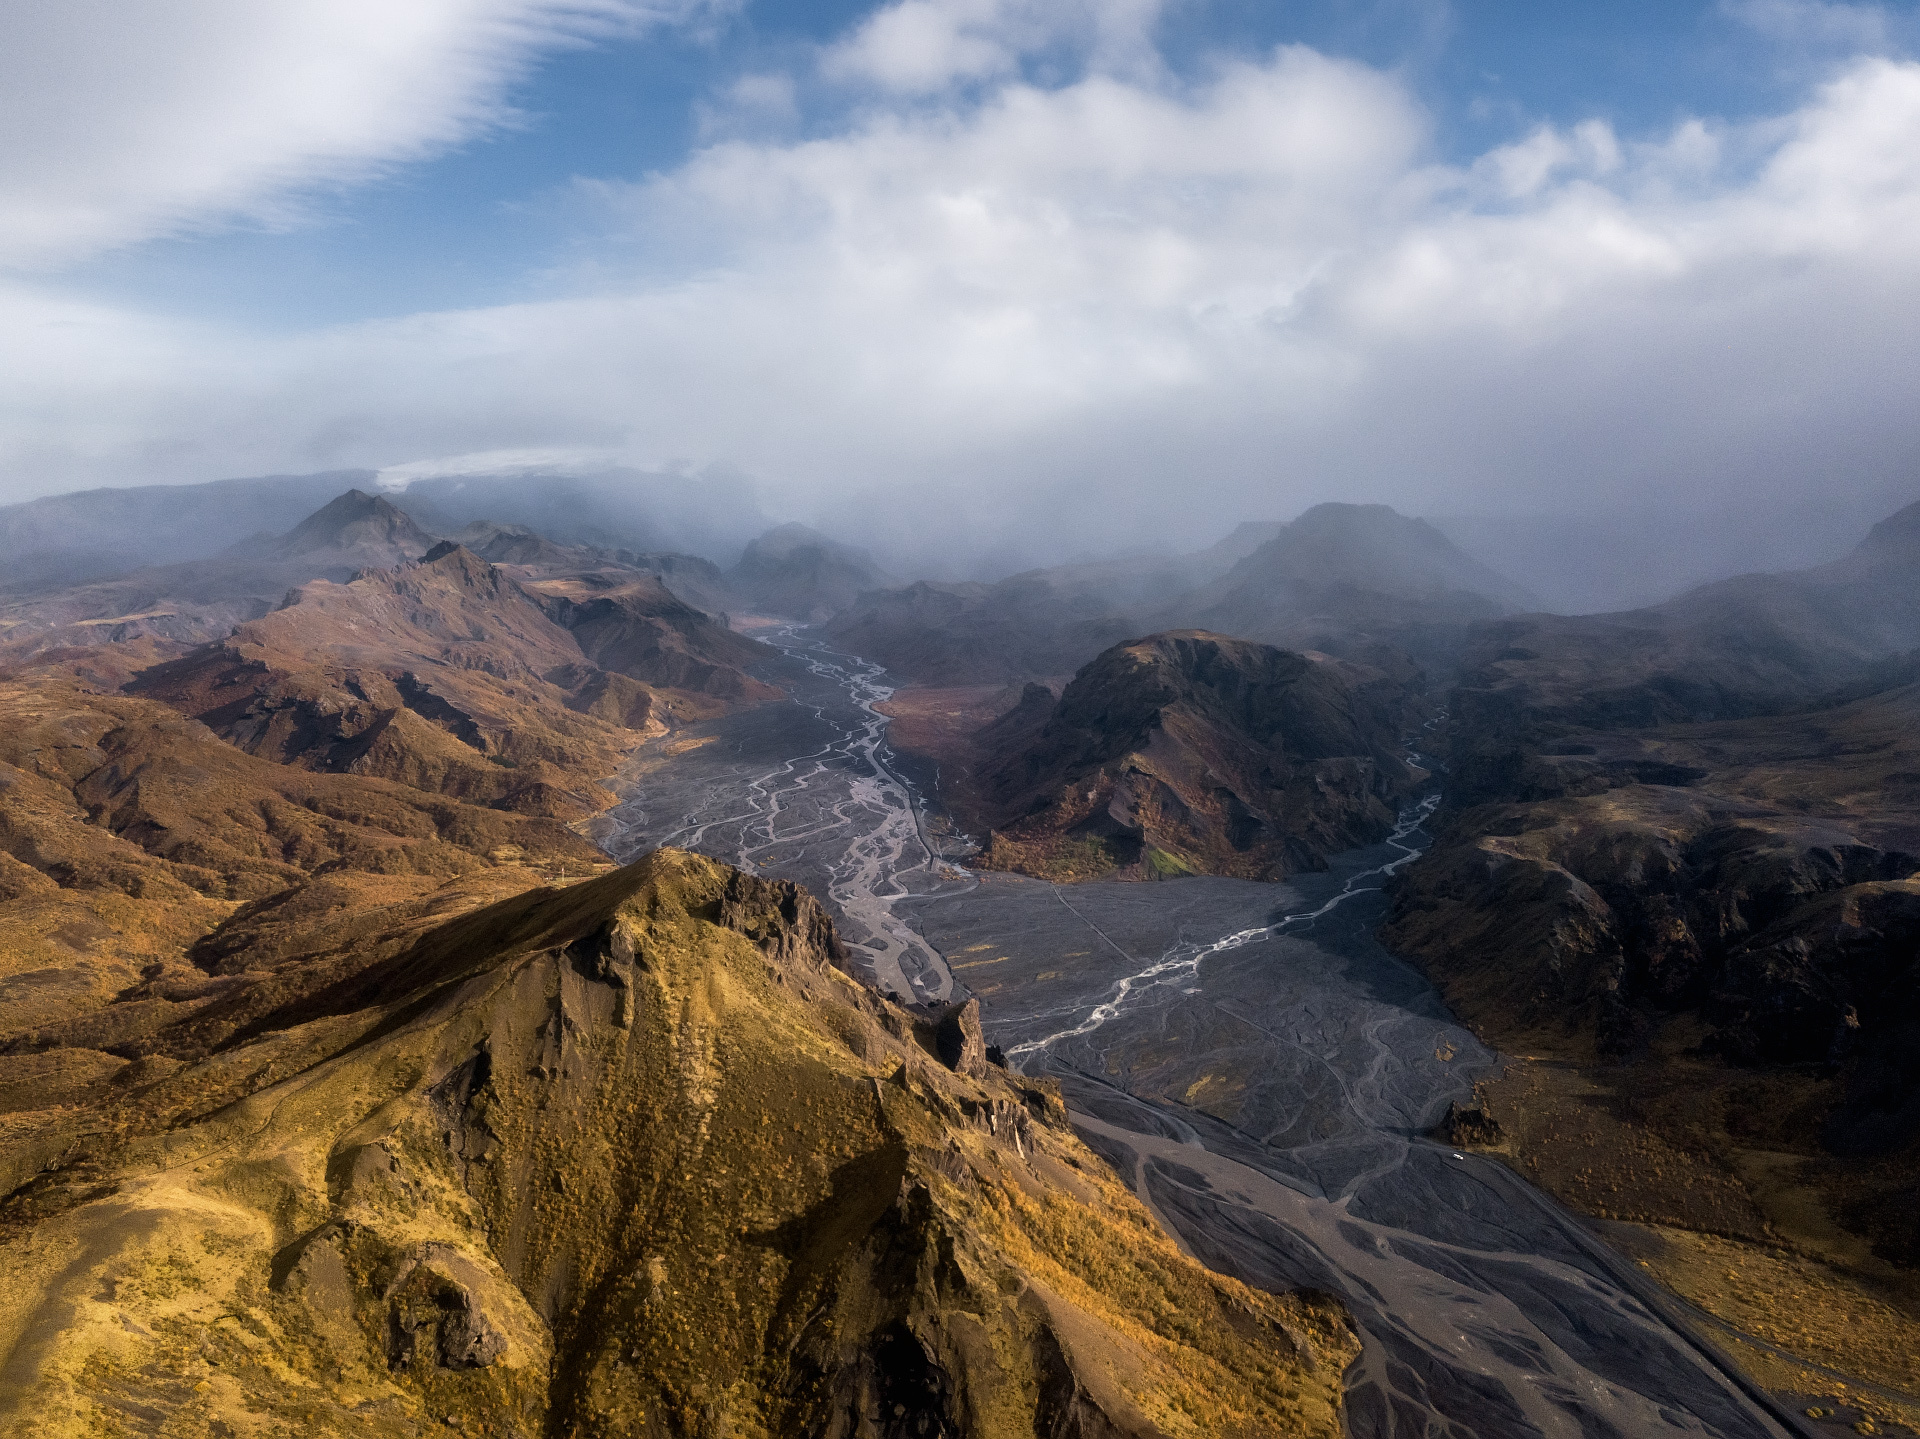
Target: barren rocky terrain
470,982
1193,753
346,1088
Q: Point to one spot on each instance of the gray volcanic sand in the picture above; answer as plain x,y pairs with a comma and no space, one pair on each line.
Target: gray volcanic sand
1246,1055
803,791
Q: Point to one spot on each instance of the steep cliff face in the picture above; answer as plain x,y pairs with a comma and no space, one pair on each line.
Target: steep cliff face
1190,752
630,1157
1677,847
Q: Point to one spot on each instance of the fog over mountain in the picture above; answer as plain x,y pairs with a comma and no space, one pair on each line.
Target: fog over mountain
993,285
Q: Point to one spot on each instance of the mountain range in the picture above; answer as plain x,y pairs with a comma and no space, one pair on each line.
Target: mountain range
1678,856
347,1088
1359,580
345,1085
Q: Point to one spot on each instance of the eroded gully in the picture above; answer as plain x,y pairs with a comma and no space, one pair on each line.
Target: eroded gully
1246,1055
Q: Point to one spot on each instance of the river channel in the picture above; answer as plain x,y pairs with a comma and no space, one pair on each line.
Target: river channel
1246,1055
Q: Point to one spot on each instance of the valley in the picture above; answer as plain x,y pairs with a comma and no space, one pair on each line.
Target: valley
1259,1070
1514,1004
960,719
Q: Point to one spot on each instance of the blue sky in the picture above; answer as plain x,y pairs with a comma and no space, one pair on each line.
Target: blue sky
1027,276
487,222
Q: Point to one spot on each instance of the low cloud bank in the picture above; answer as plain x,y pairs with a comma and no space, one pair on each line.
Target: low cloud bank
987,320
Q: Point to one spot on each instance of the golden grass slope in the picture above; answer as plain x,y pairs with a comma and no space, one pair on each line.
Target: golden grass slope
629,1157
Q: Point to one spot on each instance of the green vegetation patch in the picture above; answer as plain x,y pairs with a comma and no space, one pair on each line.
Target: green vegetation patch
1163,864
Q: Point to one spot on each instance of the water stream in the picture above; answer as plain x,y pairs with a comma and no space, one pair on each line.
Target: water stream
1247,1055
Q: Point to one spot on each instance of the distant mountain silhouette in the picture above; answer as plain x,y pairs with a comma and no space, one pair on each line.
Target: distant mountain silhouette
1349,579
173,607
367,528
91,534
1372,547
795,570
639,510
1750,645
1356,580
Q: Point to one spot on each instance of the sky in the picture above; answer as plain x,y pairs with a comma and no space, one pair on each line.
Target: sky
1033,278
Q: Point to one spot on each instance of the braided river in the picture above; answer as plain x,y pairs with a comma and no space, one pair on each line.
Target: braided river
1246,1055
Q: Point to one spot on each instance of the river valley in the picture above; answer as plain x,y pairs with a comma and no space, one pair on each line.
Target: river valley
1246,1055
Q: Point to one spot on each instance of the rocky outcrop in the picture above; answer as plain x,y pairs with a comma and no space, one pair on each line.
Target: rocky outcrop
1470,1126
1192,753
631,1157
959,1040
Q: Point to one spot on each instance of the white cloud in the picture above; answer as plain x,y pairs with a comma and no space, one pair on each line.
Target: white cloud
1820,24
752,103
920,47
1075,316
396,478
123,122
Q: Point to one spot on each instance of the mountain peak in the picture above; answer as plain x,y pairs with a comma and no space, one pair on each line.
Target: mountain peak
1899,531
795,570
369,527
1375,547
782,541
1262,762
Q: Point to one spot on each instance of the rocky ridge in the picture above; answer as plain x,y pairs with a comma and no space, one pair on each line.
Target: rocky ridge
450,676
626,1157
1190,752
159,612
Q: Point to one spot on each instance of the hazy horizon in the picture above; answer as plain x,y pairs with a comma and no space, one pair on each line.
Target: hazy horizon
1573,564
984,284
999,277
